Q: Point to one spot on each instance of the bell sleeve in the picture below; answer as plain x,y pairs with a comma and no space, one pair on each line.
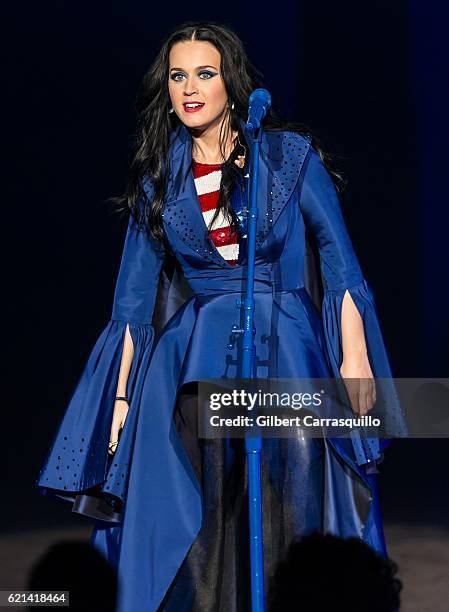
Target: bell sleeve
341,272
78,460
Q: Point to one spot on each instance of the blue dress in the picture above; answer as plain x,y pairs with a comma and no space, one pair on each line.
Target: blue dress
170,511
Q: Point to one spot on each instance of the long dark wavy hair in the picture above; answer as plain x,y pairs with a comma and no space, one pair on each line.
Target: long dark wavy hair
150,149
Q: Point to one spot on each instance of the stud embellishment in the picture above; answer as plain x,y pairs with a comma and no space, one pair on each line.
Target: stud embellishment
294,149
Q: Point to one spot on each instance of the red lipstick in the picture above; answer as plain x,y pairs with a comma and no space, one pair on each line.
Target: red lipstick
193,109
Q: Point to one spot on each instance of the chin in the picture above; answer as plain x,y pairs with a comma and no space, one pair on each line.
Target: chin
196,121
196,125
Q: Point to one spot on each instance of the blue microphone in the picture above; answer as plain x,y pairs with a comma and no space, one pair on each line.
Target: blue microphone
259,103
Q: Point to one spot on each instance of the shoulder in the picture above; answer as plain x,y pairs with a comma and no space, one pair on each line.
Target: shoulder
296,142
148,185
297,137
302,157
296,147
288,147
292,139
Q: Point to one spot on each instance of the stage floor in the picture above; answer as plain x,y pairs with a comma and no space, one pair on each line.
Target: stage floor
422,553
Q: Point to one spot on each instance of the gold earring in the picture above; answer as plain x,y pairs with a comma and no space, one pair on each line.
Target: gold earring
240,161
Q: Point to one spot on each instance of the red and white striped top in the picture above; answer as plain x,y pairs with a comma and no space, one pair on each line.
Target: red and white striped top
207,178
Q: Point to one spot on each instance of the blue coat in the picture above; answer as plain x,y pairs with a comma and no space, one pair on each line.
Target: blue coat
180,326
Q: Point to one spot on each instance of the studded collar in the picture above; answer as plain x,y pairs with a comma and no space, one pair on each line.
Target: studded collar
281,159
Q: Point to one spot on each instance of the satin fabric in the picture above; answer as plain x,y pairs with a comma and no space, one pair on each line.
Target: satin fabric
214,575
150,485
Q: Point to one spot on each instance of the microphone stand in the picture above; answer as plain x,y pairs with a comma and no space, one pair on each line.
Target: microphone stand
253,443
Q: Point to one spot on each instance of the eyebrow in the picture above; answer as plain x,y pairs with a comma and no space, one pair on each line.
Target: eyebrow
198,67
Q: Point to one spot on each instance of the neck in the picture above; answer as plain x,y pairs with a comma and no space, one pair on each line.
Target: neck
206,146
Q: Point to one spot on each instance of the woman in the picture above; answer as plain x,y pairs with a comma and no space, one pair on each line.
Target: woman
171,508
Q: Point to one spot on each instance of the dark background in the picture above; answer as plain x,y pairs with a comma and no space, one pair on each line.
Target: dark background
369,79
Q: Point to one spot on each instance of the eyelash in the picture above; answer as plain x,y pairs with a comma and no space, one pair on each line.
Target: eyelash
212,74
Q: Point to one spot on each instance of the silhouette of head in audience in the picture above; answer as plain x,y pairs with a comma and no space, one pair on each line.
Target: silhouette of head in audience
77,567
325,572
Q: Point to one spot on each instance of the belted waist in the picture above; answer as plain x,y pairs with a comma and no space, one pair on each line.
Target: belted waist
221,283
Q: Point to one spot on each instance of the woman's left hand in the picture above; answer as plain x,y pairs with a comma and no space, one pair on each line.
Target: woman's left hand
359,382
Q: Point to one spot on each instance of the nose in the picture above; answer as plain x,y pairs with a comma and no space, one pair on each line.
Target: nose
189,87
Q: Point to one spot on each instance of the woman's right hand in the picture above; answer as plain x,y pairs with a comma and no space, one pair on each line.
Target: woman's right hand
121,408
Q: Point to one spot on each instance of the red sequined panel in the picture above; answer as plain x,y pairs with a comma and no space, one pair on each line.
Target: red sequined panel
207,179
